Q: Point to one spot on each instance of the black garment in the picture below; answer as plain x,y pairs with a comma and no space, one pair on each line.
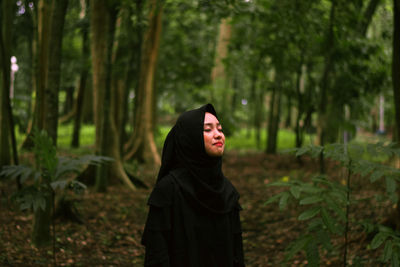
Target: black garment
193,219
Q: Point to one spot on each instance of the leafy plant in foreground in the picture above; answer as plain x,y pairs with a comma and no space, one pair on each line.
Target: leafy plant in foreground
326,202
50,175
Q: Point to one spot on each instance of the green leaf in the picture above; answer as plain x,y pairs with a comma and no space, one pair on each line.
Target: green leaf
378,240
278,184
273,199
39,202
297,245
59,184
302,151
390,184
324,238
387,253
308,188
376,175
328,221
395,258
284,200
310,200
312,253
78,187
295,190
335,207
308,214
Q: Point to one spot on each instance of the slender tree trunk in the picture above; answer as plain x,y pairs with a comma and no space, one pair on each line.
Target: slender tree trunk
69,100
41,235
42,218
273,119
27,143
5,45
274,116
58,12
136,65
222,94
44,35
367,16
396,66
300,108
288,121
84,75
41,48
323,102
144,147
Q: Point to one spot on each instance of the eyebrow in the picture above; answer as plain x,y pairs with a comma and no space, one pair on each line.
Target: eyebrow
211,124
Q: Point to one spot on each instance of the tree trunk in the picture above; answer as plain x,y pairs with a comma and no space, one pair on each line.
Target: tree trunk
222,94
396,66
107,139
300,107
41,48
41,235
5,107
367,16
83,77
323,101
273,119
135,65
144,147
58,12
69,100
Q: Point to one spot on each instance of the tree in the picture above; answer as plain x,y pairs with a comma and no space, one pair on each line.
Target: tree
396,66
104,16
84,72
52,87
5,38
219,74
41,20
144,148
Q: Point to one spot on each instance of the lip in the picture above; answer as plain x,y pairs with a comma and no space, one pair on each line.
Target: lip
218,144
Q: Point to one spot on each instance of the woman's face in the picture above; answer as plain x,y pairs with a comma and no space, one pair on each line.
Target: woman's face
214,138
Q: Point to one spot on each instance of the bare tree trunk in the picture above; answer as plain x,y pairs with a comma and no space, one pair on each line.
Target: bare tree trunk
41,47
58,12
396,66
367,16
274,117
5,38
83,76
323,102
144,147
136,66
219,76
107,139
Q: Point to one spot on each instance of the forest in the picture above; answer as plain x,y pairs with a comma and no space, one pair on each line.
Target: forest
307,92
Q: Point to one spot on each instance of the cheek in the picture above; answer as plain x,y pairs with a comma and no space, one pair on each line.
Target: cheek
207,139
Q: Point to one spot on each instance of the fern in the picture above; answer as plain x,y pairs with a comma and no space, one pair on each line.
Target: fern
50,172
327,202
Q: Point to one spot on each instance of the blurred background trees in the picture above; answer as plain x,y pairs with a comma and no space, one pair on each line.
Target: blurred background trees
127,68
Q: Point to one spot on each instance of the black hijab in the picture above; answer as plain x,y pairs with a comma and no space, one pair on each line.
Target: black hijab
198,175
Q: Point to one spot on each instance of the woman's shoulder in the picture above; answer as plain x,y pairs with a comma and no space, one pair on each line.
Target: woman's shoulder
163,192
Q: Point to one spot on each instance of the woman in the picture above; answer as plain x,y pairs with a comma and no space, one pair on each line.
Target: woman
193,219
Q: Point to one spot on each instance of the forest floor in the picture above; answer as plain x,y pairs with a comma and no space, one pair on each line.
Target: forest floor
113,222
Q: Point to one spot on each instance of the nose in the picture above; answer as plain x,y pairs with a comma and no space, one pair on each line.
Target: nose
217,134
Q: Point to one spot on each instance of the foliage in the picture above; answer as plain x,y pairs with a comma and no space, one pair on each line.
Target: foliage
327,201
51,172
